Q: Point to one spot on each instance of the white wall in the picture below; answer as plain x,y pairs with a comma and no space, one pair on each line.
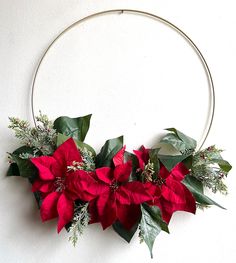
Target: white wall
97,69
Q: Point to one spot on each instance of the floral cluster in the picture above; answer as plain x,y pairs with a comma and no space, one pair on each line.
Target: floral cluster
128,191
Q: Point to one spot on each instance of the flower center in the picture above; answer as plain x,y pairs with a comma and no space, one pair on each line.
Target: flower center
75,166
148,172
59,184
114,186
159,181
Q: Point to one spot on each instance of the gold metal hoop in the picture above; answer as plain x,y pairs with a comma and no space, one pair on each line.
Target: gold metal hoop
155,17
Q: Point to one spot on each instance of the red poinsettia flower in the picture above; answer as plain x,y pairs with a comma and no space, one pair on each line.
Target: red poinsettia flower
169,194
143,157
119,198
59,186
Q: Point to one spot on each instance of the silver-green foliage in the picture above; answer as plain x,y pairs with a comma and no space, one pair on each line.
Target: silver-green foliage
88,159
210,168
79,223
41,138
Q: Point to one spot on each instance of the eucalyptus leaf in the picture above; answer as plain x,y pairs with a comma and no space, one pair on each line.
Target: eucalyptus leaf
213,155
108,151
223,164
196,188
179,141
123,232
76,128
151,225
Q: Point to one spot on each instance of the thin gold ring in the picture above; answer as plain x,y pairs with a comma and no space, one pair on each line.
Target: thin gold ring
160,19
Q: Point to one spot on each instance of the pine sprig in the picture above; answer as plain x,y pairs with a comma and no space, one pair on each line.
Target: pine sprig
140,234
206,168
88,159
202,206
41,138
87,164
79,223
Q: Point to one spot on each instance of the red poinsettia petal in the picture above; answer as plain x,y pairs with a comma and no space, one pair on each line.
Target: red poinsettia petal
46,187
119,157
122,172
81,185
66,153
44,164
93,211
48,209
58,170
106,207
165,207
176,197
132,193
36,185
43,187
174,191
163,173
179,172
128,215
104,174
143,156
65,208
153,190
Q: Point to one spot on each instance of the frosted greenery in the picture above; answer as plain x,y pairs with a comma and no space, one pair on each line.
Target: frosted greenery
87,164
206,168
79,223
88,159
41,137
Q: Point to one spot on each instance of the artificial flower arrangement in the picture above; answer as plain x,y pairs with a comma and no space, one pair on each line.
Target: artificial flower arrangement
128,191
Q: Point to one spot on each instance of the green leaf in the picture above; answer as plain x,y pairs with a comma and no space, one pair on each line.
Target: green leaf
193,182
214,156
135,164
188,162
61,138
13,169
24,149
155,213
76,128
36,194
108,151
123,232
26,168
153,154
38,199
196,188
170,161
179,141
151,225
224,165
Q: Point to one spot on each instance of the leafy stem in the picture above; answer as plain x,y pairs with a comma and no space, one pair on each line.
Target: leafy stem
79,223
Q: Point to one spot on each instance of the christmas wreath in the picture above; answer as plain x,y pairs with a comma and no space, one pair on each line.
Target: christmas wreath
129,191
